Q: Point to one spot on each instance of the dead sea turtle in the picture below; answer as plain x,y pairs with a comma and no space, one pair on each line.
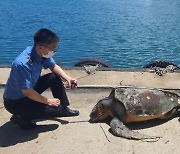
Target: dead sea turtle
133,104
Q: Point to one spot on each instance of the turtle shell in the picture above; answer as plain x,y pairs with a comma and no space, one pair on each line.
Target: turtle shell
144,101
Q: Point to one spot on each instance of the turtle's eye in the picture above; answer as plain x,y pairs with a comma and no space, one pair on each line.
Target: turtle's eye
100,110
101,106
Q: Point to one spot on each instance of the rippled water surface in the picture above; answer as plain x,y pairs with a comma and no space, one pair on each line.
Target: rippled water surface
125,33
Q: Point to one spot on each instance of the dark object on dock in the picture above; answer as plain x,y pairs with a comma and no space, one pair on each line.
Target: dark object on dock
161,64
162,67
92,62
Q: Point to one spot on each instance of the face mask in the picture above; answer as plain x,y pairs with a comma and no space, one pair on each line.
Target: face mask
49,55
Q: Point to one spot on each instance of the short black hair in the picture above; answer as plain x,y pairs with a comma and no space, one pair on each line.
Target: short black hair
45,36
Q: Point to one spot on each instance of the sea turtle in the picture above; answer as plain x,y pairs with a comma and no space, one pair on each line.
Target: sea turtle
135,104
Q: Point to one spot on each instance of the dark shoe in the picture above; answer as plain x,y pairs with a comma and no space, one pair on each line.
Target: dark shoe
22,123
70,113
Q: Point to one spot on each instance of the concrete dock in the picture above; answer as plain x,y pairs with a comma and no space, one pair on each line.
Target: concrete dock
75,135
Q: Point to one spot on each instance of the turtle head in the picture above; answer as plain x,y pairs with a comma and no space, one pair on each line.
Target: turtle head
101,110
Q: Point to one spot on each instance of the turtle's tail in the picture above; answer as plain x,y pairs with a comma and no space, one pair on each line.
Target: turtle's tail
119,129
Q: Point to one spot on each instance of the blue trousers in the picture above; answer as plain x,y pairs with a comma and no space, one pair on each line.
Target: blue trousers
29,109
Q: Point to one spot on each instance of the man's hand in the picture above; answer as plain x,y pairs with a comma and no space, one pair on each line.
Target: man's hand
70,84
53,102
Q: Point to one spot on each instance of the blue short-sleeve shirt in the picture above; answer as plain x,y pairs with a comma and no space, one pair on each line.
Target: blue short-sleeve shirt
25,72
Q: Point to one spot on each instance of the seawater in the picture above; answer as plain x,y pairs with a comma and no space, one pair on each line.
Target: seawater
125,33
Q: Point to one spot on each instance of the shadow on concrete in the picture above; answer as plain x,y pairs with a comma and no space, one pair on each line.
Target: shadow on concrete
140,125
11,134
146,124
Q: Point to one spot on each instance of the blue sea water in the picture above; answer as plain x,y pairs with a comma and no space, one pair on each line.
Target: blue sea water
125,33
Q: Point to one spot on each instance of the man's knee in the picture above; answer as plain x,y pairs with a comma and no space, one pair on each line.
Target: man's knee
53,77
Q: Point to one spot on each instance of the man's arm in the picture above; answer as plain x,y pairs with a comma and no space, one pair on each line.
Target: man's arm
32,94
60,72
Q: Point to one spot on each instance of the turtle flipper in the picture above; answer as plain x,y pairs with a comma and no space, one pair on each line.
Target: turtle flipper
119,129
